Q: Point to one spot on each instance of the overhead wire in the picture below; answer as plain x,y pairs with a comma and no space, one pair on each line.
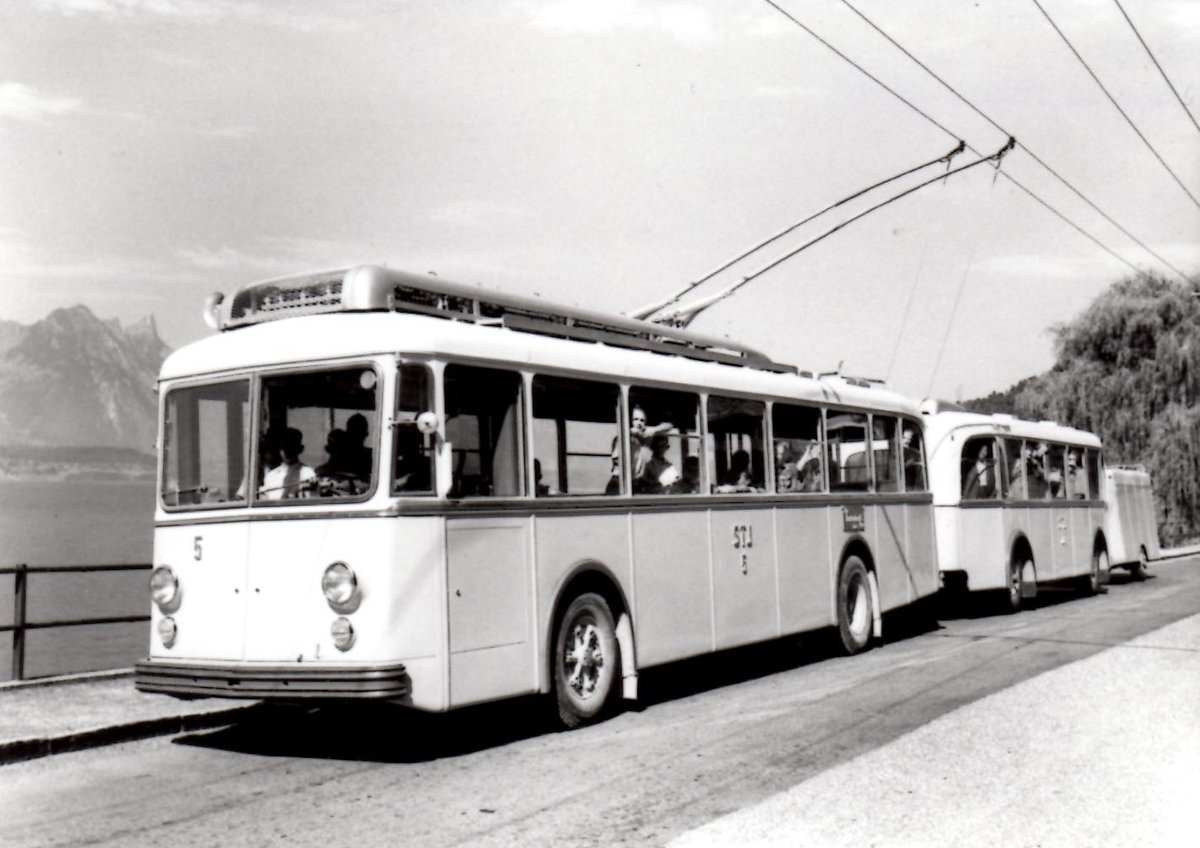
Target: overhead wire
685,315
940,126
962,284
1024,146
648,310
1154,59
1117,105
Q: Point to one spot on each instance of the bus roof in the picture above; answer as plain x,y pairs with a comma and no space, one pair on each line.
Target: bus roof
939,425
307,339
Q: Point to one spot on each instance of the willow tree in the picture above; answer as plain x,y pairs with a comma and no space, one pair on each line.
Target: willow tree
1128,369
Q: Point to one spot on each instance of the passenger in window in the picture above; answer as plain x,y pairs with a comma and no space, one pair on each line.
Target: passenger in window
737,477
787,478
291,478
980,482
689,483
658,474
640,437
1035,471
1018,488
808,468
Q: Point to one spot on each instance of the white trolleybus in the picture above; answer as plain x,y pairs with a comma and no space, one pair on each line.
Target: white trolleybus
1017,503
381,485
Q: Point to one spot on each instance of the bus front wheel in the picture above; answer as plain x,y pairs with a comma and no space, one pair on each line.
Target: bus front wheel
854,608
586,659
1089,584
1016,583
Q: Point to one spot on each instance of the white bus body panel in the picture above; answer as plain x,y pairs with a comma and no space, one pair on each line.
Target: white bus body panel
1130,524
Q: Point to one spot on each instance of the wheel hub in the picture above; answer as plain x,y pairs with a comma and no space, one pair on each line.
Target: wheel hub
584,659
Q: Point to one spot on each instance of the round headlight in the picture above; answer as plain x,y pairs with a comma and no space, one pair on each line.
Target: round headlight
164,587
167,631
340,586
342,632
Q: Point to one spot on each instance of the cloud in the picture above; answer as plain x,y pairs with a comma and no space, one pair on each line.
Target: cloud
24,103
680,21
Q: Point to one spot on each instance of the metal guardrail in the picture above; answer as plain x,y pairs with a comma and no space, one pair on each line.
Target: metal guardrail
20,625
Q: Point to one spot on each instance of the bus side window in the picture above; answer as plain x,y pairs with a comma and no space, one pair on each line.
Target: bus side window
1093,474
883,446
574,427
980,480
483,426
1077,474
797,433
664,442
413,470
912,453
846,436
735,442
1057,477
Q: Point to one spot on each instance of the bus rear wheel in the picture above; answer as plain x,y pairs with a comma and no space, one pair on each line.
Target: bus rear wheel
1016,570
1140,568
586,659
1089,584
854,606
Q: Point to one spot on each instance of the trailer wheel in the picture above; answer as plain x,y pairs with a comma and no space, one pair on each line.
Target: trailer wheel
855,613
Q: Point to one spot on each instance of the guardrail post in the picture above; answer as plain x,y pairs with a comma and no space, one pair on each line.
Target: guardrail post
18,633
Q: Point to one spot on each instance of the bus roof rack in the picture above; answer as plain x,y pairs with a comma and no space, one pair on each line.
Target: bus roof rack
370,288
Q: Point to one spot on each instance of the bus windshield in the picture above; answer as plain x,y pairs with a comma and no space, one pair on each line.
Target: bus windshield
316,436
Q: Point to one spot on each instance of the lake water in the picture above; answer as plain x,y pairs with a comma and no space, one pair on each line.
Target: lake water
77,523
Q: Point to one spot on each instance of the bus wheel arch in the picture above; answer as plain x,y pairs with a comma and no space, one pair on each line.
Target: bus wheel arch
857,598
590,645
1022,575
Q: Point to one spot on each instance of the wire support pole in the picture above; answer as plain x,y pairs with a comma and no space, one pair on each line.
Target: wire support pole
962,284
962,98
1115,104
701,280
1153,59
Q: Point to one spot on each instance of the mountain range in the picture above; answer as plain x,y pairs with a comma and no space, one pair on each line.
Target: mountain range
73,380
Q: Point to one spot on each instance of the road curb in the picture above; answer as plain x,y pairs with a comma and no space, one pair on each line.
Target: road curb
19,750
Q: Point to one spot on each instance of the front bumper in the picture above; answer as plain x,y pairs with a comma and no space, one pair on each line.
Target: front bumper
284,681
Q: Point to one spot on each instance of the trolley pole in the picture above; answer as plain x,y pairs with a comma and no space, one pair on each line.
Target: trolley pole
18,634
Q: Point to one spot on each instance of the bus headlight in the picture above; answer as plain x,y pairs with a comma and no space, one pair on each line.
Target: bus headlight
167,631
164,588
340,586
342,632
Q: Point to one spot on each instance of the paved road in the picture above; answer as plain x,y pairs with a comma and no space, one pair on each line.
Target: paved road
711,737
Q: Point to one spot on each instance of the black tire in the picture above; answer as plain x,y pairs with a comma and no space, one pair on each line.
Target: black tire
1014,599
586,658
1089,584
1141,568
855,608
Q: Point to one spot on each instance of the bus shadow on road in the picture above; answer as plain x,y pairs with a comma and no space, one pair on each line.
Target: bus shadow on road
387,733
383,733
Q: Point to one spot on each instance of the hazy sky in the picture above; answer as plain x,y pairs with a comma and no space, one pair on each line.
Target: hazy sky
602,153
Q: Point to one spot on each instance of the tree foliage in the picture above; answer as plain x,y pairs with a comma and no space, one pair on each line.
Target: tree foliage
1128,369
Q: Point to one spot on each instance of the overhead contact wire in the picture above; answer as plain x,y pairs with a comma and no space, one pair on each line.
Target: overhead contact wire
1153,59
937,124
1024,146
1115,104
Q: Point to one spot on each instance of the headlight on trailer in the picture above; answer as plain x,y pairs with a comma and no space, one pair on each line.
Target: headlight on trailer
340,586
167,631
342,632
164,588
